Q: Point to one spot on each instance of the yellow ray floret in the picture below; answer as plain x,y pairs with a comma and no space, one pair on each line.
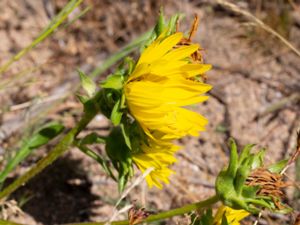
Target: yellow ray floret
233,216
162,84
159,157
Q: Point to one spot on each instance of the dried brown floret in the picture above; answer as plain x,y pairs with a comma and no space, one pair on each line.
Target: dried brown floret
270,184
196,56
137,215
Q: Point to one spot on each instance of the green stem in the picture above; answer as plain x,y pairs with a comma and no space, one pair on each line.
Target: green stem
163,215
6,222
68,139
59,149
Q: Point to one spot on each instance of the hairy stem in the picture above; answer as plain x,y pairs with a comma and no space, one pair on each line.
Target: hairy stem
6,222
58,150
68,139
163,215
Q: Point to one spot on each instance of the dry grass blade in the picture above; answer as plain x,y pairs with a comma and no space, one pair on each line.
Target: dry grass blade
257,220
54,23
279,104
116,212
258,22
294,156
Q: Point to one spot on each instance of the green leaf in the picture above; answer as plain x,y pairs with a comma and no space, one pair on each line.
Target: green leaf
250,191
82,98
123,179
126,135
44,135
91,106
119,153
245,153
173,23
261,202
207,218
130,65
125,171
258,159
123,102
114,82
87,83
116,147
103,163
224,220
116,114
41,137
233,163
160,25
278,167
241,176
92,138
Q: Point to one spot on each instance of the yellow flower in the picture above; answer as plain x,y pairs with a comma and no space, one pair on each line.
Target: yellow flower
162,84
159,157
233,216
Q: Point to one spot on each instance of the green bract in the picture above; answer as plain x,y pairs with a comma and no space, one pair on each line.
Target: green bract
204,218
161,26
87,83
114,81
231,184
120,156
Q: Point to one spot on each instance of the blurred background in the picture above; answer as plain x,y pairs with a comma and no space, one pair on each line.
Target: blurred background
255,99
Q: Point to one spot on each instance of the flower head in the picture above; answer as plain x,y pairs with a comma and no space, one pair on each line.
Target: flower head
232,216
247,184
162,83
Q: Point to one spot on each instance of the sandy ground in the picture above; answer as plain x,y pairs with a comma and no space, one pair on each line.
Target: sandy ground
251,71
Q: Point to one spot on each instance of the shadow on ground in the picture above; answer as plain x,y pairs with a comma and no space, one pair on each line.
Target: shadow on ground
60,194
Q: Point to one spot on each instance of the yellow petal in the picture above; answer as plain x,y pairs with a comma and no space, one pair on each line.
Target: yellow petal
157,50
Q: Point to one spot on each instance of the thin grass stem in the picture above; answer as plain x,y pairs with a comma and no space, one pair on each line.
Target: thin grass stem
58,150
44,34
258,22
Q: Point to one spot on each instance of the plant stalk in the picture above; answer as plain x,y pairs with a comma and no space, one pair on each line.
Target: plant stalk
6,222
68,139
58,150
163,215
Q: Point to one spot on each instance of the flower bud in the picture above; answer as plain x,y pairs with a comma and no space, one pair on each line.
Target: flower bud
247,184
